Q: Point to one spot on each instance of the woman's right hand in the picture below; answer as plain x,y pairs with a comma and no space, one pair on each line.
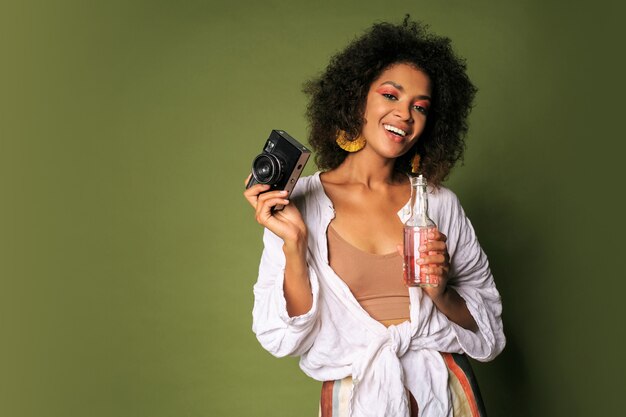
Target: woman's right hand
286,223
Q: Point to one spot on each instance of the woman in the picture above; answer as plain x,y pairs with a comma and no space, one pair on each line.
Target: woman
330,285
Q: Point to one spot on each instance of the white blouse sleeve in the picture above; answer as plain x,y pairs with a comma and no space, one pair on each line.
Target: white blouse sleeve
471,277
278,333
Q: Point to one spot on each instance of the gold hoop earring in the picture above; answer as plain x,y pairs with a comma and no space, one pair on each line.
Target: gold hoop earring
415,163
350,145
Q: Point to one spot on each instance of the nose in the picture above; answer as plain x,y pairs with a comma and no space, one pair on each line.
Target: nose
403,112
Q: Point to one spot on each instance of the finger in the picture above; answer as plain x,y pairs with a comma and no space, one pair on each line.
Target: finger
264,213
435,270
247,180
252,194
435,234
256,189
435,245
271,195
432,259
265,197
437,276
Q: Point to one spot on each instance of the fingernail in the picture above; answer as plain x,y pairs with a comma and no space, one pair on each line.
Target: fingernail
284,192
422,248
420,261
431,235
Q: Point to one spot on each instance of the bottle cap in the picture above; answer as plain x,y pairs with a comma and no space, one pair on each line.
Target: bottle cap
419,180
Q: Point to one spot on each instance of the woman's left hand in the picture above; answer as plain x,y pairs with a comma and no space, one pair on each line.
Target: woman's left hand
435,261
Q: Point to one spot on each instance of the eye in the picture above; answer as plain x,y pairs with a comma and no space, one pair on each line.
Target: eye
420,109
389,96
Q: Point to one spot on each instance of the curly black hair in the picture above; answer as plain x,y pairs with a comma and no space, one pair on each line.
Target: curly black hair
338,97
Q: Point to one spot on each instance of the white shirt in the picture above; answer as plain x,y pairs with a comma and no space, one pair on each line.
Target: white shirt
337,338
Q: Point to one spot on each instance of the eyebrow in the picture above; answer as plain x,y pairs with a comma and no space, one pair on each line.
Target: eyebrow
399,87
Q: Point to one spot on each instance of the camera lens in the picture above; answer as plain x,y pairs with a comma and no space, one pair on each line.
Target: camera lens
266,168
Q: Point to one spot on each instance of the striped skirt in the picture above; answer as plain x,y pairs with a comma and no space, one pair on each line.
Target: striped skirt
466,398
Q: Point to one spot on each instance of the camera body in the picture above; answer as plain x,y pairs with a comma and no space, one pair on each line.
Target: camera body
280,163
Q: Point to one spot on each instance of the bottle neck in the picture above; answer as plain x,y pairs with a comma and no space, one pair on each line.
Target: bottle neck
419,204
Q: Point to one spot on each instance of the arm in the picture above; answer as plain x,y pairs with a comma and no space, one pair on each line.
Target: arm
467,304
470,276
435,261
285,295
297,286
288,225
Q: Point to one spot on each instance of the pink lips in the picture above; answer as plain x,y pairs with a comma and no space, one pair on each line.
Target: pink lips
394,137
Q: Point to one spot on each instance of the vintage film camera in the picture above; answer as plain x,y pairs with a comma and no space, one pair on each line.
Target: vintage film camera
280,164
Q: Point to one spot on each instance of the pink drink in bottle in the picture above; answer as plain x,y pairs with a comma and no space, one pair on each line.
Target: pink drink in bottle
416,231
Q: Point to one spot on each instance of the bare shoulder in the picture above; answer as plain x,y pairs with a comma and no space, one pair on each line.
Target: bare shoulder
335,186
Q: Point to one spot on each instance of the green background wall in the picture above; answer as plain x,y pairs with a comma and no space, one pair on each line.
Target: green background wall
128,255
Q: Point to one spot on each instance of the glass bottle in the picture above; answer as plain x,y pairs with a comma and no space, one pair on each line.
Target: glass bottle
416,230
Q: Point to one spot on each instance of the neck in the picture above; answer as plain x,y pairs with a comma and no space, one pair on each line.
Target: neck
370,170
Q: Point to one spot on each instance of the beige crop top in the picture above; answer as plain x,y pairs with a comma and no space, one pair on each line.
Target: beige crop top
375,280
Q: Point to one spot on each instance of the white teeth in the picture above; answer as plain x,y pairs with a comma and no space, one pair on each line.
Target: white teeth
395,130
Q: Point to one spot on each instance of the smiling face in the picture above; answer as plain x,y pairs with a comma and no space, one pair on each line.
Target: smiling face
396,110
